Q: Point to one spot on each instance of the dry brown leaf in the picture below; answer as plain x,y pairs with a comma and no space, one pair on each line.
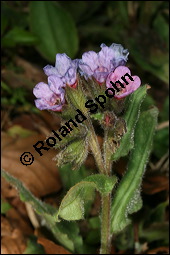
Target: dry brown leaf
12,246
19,222
6,228
42,176
15,80
37,122
28,78
12,239
50,247
7,190
159,250
155,183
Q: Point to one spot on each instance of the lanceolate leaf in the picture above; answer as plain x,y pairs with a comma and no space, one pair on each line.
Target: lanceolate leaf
72,206
75,153
54,28
127,198
131,118
76,97
60,231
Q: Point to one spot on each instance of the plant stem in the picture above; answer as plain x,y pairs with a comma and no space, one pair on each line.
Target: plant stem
106,201
107,154
104,164
95,148
105,225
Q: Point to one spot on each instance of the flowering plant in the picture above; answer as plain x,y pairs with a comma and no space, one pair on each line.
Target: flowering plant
127,128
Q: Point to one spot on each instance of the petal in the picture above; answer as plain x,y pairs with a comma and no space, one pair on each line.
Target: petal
55,84
119,51
100,76
75,62
113,56
121,71
41,104
85,69
90,58
56,108
63,62
42,90
105,56
50,70
131,87
71,76
117,74
123,94
136,82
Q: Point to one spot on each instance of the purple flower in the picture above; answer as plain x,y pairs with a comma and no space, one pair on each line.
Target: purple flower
65,68
99,65
50,96
117,75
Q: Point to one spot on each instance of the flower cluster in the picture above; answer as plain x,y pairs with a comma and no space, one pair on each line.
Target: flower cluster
105,66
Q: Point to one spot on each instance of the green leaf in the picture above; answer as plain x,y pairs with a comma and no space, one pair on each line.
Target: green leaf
68,112
125,239
76,97
131,117
33,247
155,232
69,178
76,153
55,29
153,226
72,206
127,199
157,214
97,116
62,233
79,132
5,207
18,36
147,103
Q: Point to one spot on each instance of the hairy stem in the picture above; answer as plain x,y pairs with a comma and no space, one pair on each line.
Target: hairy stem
105,225
107,154
95,148
106,202
104,164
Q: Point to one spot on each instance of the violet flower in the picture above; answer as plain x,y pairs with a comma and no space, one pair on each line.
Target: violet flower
99,65
65,68
50,96
116,76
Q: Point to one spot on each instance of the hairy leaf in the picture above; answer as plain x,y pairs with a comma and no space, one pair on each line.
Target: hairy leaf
131,117
72,206
127,199
76,97
67,235
75,153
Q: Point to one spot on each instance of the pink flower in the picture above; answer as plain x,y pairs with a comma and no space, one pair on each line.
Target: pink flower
50,96
65,69
99,65
122,79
